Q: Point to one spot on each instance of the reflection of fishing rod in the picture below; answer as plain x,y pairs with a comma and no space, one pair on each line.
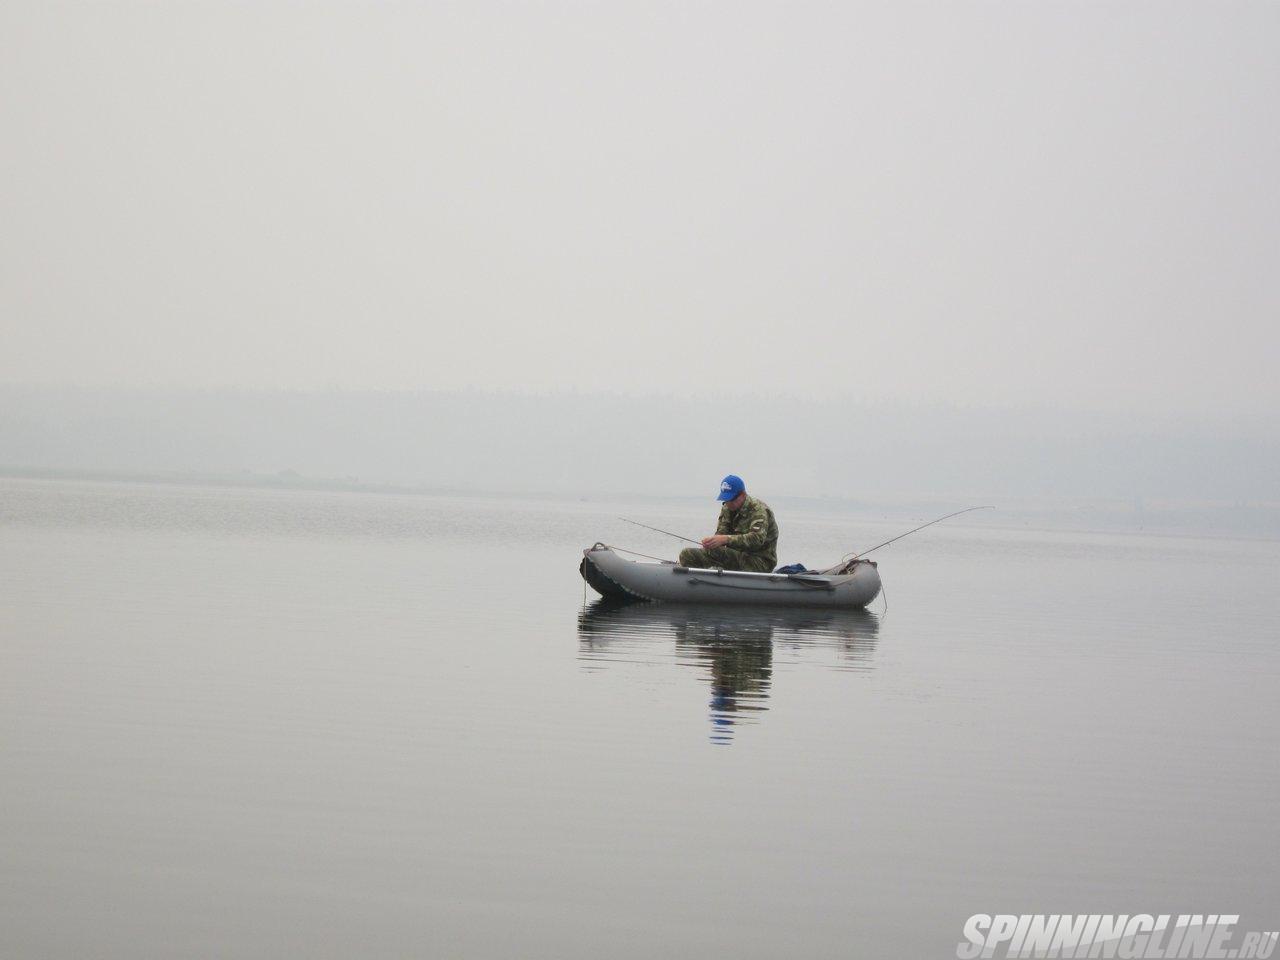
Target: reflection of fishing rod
656,530
921,527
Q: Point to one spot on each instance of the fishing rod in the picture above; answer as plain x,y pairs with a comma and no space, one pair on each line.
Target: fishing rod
921,527
656,530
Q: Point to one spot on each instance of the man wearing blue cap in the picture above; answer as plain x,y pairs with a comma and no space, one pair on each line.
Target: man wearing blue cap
746,536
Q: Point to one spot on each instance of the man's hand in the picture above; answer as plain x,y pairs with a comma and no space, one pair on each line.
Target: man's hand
714,541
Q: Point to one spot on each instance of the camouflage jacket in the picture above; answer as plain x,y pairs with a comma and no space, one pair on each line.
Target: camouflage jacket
751,529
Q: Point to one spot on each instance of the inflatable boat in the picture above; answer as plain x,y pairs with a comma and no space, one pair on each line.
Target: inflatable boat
853,587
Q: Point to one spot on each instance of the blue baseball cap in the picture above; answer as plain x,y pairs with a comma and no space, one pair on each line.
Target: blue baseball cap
730,487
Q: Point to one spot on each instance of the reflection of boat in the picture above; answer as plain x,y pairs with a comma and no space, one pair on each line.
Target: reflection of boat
615,577
734,644
610,620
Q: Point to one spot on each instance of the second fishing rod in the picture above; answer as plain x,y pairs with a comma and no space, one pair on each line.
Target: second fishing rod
859,554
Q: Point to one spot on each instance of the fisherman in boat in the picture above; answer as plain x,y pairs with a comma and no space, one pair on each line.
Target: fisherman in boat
746,536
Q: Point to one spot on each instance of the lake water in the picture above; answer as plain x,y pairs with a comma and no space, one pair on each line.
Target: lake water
269,723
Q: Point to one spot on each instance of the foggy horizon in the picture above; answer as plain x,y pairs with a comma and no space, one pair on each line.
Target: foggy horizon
583,444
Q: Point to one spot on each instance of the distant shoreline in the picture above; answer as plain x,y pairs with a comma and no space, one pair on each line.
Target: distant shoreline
1194,519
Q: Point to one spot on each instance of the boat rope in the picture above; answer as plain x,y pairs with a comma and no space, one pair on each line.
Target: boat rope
636,553
811,584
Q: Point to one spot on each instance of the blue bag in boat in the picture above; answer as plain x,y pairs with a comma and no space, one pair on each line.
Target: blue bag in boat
793,568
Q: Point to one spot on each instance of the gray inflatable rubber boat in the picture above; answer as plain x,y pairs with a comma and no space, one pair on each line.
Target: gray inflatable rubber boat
617,578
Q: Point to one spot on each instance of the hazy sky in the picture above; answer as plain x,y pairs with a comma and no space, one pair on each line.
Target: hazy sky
997,203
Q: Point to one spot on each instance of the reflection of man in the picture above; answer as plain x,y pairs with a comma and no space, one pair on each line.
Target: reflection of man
746,536
739,658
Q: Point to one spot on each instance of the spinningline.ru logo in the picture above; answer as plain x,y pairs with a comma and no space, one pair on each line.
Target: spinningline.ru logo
1189,936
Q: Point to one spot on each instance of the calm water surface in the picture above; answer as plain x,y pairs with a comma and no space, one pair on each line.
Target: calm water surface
254,723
